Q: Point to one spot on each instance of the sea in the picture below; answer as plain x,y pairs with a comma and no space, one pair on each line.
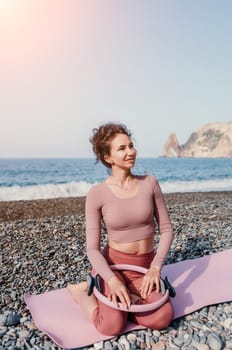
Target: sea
27,179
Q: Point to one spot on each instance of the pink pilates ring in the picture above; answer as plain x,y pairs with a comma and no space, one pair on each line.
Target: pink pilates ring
133,308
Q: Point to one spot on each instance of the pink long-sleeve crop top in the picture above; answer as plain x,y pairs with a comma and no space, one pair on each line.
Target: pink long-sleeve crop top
126,220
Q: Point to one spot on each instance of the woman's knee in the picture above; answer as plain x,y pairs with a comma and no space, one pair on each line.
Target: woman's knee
159,319
164,317
112,325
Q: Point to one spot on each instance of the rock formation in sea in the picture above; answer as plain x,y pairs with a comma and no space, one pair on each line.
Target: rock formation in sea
211,140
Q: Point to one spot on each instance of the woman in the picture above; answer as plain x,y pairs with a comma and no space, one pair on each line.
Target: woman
127,204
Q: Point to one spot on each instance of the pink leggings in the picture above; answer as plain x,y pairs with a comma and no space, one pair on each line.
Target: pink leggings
110,321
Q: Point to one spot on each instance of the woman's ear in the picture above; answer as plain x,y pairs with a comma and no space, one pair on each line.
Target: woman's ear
108,160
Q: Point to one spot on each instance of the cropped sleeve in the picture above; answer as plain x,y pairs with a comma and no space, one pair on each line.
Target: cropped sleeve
164,224
93,234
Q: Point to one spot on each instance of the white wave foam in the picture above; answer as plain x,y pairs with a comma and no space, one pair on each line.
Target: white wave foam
78,189
197,186
71,189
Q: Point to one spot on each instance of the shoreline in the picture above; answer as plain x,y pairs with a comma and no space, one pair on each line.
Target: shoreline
52,207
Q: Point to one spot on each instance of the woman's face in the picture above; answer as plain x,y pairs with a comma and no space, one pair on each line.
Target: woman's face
122,152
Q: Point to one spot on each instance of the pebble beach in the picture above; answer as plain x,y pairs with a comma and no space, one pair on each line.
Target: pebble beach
43,248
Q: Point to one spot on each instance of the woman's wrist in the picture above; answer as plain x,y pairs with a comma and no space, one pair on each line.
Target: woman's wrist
155,267
111,278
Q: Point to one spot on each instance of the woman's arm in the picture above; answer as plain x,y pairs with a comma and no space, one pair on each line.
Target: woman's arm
164,224
152,277
93,234
118,290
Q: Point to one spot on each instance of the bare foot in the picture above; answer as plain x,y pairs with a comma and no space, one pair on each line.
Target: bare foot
76,290
79,294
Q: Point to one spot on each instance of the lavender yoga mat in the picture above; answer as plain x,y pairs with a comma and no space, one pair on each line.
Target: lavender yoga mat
198,282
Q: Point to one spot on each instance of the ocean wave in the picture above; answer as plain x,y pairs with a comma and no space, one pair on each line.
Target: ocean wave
71,189
196,186
79,189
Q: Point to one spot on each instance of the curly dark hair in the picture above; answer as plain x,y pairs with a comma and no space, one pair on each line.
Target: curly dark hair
102,138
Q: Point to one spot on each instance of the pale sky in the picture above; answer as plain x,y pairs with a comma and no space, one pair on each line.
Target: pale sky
66,66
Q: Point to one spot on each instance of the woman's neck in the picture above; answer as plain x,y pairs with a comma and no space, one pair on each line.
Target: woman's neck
121,179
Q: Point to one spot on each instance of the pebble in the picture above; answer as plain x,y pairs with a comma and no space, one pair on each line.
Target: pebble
2,320
179,341
124,343
23,319
99,345
195,324
158,346
42,254
24,334
131,337
214,342
13,320
201,346
108,345
3,330
187,340
156,333
228,323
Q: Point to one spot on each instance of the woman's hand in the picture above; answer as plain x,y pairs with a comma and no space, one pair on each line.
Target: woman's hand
150,279
118,292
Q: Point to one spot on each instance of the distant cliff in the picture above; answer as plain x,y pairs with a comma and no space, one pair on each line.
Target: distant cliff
211,140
